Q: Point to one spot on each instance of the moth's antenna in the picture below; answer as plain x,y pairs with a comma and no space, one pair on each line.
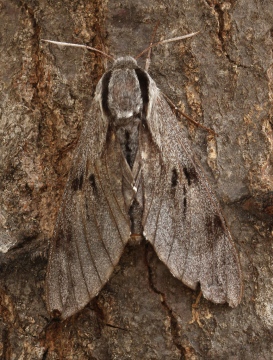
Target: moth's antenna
79,45
166,41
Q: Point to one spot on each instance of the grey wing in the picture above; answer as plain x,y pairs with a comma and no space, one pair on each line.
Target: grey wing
92,226
182,217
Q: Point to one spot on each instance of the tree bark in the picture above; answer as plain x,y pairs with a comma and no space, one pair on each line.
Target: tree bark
223,78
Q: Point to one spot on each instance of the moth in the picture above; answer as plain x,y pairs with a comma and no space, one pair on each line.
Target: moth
134,174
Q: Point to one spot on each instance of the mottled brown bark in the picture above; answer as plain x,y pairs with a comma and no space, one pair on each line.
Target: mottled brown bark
223,78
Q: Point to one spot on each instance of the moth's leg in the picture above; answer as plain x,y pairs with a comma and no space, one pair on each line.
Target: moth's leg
148,58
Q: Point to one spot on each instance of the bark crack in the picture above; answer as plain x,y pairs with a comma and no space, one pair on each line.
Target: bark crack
221,21
221,11
174,326
37,73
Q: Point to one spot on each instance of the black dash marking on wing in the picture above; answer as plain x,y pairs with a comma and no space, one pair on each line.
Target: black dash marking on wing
191,175
92,182
209,224
174,178
105,92
184,200
218,223
144,88
77,183
215,224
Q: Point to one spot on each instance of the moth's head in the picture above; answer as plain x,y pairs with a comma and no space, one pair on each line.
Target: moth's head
125,62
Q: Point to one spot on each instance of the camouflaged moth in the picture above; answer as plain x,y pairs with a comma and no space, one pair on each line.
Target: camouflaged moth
134,173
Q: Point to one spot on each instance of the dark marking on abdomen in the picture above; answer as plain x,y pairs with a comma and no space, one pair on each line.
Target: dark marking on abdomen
135,214
128,150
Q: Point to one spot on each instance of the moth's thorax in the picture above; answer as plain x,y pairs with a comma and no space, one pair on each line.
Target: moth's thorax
124,94
124,91
124,98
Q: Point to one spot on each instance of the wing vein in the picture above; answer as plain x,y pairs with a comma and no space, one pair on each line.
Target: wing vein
71,280
151,202
78,255
111,212
114,196
158,214
96,222
88,245
189,237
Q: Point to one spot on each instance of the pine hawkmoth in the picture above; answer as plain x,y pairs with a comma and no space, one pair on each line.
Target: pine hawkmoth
134,173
